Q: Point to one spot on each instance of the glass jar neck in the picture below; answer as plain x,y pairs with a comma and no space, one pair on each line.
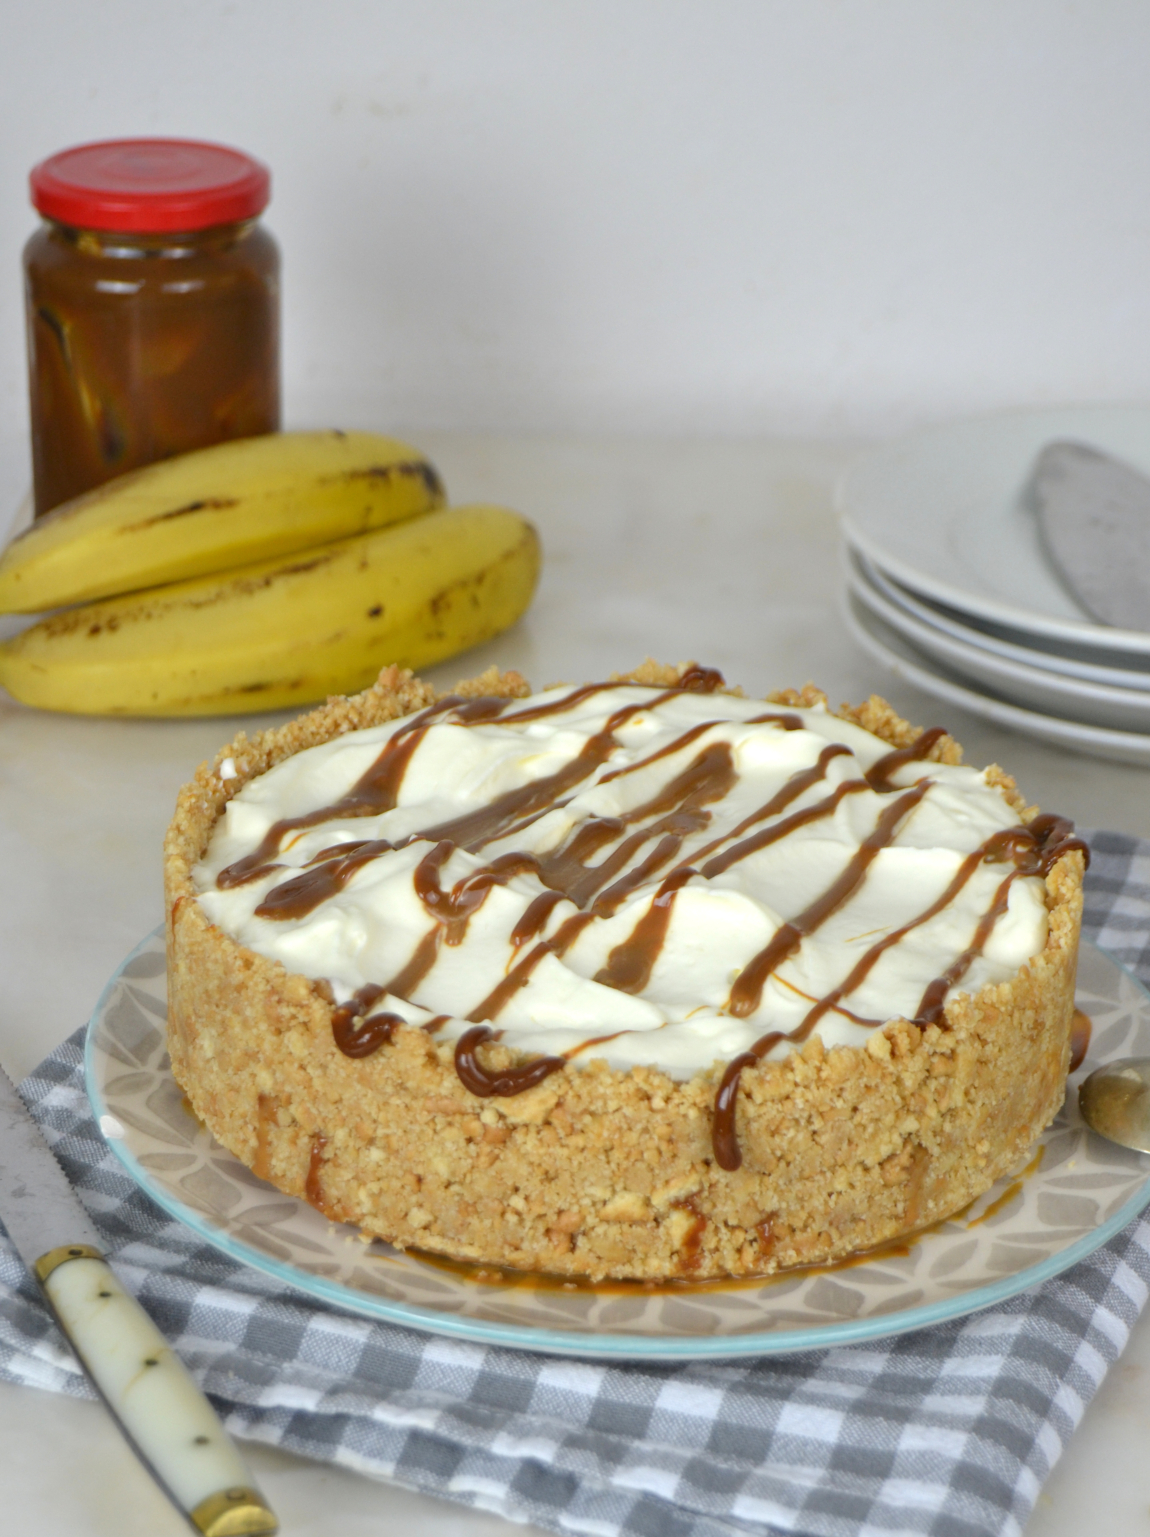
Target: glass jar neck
134,244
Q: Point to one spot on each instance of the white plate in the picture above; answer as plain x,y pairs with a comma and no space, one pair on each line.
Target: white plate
1023,1231
1009,644
879,640
942,512
1119,709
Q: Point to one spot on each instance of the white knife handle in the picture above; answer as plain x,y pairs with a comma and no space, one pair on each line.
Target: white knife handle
152,1395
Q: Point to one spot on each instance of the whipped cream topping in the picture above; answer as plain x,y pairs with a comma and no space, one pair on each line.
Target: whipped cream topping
669,877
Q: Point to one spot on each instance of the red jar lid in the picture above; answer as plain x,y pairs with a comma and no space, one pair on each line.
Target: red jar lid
150,185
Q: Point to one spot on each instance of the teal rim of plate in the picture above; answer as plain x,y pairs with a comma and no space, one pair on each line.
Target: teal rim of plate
576,1343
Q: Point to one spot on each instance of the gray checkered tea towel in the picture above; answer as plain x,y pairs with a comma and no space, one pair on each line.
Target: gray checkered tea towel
950,1430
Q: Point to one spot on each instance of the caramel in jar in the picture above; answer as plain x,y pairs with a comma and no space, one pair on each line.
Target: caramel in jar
153,322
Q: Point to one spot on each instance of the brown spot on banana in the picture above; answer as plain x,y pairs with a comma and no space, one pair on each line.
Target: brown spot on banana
416,469
209,503
155,605
302,565
229,690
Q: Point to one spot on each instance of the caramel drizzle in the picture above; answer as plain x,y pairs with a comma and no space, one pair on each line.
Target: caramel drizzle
783,828
313,1188
678,810
373,793
408,978
930,1009
378,792
785,722
567,873
878,775
709,777
1033,848
632,962
1081,1028
690,1249
747,992
994,848
356,1036
506,1081
359,1037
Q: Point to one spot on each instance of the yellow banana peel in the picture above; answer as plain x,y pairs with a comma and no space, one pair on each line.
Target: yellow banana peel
286,631
212,510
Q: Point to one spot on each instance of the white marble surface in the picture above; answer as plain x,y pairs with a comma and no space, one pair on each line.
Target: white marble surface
720,551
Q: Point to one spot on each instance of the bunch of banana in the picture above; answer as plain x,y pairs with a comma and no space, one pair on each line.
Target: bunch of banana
255,575
214,509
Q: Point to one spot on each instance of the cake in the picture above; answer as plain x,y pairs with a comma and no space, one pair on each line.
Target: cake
636,979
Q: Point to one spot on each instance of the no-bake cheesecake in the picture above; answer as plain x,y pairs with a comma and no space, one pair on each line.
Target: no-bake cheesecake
640,978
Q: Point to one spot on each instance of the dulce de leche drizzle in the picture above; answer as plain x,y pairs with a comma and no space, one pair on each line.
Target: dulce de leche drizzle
1032,849
638,847
1035,849
506,1081
375,792
878,775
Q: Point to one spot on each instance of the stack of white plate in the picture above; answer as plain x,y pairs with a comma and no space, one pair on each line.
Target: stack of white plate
948,587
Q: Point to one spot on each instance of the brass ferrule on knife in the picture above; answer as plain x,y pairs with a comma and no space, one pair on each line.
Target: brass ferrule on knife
237,1512
56,1257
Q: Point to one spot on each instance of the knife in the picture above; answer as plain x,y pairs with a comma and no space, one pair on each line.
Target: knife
148,1391
1094,521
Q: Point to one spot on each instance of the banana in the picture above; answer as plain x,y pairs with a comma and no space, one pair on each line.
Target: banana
220,507
284,632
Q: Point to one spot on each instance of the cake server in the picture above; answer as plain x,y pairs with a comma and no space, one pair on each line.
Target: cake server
1094,521
149,1392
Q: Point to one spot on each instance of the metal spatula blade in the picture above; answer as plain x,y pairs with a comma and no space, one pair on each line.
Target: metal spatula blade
1094,520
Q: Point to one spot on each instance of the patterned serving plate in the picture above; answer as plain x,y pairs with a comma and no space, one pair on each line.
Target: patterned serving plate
1071,1197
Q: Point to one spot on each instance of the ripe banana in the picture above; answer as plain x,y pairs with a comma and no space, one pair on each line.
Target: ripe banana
288,631
225,506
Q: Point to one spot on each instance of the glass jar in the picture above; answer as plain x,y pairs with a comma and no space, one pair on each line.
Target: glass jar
152,307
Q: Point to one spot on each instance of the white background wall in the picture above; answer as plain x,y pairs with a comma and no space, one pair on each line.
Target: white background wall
719,216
